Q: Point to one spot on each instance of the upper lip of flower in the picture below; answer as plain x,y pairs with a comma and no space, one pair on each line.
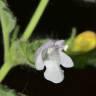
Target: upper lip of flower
55,56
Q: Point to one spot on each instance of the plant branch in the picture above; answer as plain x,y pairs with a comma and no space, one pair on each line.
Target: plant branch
4,70
34,20
5,39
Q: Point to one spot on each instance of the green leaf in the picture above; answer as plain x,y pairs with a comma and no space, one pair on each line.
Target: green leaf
8,21
24,52
17,53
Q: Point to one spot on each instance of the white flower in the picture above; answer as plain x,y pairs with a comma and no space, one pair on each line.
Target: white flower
51,56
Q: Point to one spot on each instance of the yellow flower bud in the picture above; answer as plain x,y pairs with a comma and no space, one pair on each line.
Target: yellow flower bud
84,42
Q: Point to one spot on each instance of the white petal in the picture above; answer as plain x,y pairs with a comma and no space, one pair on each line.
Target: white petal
39,62
39,55
53,72
66,61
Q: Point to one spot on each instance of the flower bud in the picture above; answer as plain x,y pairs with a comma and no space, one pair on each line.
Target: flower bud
84,42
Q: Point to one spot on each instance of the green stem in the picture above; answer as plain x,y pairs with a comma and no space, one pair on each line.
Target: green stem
5,39
34,20
4,71
6,45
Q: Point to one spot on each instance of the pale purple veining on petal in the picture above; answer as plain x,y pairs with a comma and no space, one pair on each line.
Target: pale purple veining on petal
39,60
50,43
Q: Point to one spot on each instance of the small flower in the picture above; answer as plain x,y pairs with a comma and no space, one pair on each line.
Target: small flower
84,42
51,56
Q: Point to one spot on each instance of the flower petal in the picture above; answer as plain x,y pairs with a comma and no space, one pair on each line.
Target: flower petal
39,55
66,61
53,72
39,62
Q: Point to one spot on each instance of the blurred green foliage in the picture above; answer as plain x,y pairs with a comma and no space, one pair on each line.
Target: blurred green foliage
81,60
8,21
5,91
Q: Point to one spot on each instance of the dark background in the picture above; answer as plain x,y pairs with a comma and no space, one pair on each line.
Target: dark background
58,19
